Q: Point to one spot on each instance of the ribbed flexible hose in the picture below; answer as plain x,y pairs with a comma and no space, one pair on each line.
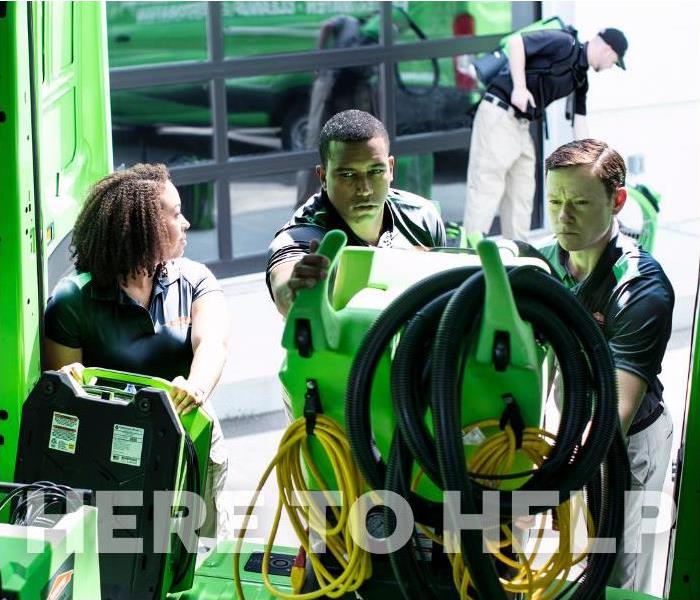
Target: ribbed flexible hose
589,393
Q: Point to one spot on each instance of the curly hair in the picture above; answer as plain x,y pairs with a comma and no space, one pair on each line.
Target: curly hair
120,230
606,163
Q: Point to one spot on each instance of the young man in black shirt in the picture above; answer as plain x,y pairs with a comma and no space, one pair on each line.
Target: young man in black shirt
631,298
544,66
356,172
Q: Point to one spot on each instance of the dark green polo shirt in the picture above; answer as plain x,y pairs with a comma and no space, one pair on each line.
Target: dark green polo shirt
632,300
410,221
115,332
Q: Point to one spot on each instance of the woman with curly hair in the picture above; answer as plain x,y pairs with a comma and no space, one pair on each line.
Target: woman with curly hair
136,304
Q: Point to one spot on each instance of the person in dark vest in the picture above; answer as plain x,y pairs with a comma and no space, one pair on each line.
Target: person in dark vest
544,65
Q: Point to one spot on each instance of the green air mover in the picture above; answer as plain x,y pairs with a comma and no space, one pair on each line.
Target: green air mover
56,563
120,433
324,331
648,203
405,349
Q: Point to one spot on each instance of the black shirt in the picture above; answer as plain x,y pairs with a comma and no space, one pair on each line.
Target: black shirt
409,221
553,50
632,300
115,332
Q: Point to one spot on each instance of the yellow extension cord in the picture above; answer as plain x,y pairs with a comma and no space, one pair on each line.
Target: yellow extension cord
495,456
354,561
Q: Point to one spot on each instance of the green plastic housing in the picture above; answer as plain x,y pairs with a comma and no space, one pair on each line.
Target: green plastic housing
340,310
35,563
55,136
197,423
214,578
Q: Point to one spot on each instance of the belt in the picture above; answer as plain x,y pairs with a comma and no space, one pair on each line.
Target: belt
504,105
642,424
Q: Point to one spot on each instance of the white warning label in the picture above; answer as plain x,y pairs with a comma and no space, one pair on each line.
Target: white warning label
475,437
64,432
127,444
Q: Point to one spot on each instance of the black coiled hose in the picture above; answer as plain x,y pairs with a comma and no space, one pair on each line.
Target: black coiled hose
437,303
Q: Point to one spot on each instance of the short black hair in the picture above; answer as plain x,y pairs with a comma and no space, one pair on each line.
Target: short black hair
350,126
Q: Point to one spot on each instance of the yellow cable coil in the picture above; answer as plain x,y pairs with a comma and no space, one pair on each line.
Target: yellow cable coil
354,561
495,456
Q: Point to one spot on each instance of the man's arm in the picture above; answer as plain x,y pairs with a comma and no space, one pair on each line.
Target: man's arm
290,276
279,280
630,391
642,327
516,61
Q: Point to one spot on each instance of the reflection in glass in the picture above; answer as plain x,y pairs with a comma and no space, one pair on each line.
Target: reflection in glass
199,208
441,20
268,113
259,207
440,176
147,33
169,124
435,95
257,28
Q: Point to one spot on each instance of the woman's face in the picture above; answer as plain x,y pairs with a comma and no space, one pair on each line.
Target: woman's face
175,222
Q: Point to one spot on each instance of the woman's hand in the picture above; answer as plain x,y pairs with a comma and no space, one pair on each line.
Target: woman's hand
74,370
185,395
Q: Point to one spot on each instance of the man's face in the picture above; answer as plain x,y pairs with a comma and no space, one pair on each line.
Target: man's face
580,209
605,56
357,178
175,221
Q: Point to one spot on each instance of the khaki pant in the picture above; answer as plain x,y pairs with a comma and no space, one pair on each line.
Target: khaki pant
501,173
649,452
217,523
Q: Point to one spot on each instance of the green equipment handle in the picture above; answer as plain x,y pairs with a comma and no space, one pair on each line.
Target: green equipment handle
192,421
331,245
313,304
92,373
501,313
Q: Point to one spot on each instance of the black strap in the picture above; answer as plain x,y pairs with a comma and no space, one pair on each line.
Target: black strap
512,416
497,101
312,405
651,418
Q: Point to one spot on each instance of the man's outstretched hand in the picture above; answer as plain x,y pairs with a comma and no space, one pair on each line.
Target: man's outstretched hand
311,269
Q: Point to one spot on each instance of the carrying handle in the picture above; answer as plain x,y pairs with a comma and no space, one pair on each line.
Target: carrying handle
501,316
313,298
311,311
90,374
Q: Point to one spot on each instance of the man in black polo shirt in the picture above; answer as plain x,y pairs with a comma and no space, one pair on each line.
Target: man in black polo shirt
544,66
631,298
355,172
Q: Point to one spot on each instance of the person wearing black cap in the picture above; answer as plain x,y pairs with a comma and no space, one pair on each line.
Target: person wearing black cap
544,65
